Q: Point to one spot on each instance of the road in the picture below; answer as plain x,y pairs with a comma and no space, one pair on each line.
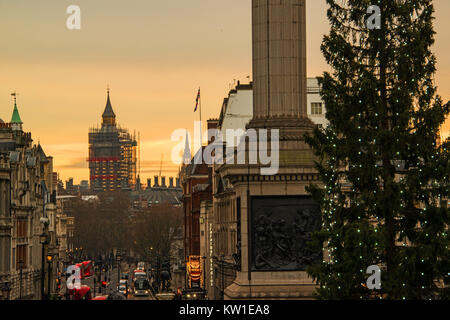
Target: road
112,278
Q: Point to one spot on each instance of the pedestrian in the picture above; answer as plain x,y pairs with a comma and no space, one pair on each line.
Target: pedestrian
178,294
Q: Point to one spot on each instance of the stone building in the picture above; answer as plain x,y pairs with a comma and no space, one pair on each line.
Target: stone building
195,180
28,210
62,239
236,111
5,224
159,193
207,254
315,105
27,200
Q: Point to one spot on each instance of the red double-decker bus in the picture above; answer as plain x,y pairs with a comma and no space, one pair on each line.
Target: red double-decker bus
85,269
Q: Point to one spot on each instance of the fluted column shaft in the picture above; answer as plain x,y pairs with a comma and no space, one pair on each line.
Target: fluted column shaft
279,59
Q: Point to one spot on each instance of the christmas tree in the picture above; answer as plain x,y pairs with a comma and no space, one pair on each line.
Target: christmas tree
384,173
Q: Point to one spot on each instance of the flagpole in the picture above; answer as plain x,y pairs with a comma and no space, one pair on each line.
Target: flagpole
200,102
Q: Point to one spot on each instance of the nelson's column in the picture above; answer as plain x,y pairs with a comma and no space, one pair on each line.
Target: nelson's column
277,215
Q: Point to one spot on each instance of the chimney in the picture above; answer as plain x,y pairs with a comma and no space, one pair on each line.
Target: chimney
163,182
171,182
156,184
149,183
177,183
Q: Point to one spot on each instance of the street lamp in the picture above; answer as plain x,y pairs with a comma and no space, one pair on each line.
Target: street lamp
118,258
49,260
21,263
43,239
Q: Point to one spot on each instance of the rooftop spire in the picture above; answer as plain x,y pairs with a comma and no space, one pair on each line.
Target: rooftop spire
187,151
108,116
15,116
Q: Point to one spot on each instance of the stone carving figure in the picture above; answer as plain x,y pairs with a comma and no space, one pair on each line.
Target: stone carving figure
263,243
281,243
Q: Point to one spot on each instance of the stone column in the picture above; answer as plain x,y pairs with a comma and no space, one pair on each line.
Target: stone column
279,63
279,200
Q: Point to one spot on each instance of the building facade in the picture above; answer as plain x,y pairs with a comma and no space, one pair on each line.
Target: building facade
236,111
315,104
27,212
196,182
158,193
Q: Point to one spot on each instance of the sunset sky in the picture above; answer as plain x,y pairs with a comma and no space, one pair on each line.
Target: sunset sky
154,54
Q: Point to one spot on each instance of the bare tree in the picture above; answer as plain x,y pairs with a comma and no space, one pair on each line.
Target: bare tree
154,230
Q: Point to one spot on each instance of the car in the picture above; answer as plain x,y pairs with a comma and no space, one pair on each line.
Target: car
193,294
123,289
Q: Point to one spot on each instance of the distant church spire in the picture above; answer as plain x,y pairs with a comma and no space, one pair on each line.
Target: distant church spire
187,151
109,117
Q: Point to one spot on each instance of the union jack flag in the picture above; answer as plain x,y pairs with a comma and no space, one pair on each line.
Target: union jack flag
196,100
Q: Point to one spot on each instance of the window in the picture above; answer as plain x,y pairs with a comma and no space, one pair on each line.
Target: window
22,228
316,108
21,255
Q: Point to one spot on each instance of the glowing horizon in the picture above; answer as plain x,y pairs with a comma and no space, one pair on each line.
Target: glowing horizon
154,55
